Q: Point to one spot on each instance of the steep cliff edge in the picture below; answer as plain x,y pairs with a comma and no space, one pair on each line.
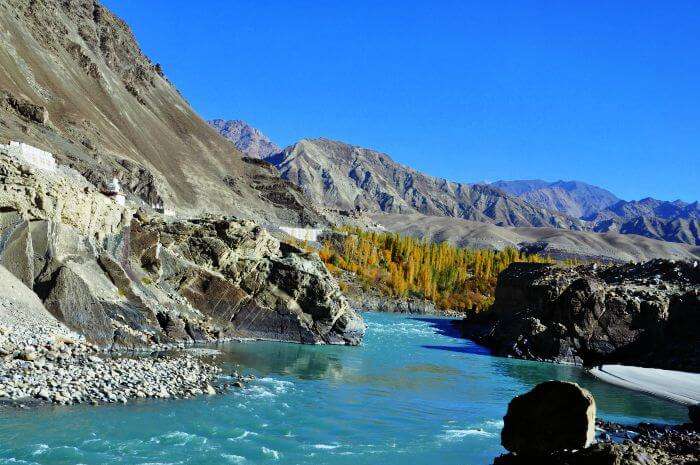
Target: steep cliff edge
638,314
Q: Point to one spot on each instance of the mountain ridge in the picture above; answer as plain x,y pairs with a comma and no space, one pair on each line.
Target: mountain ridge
349,177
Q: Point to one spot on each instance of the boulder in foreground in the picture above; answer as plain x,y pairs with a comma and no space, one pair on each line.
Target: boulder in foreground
555,415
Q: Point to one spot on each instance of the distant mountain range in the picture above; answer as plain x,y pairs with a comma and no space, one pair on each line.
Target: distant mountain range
675,221
348,177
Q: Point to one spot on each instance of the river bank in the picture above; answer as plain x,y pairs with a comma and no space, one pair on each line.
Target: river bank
677,386
414,392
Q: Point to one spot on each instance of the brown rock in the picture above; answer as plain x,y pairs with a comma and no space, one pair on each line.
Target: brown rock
553,416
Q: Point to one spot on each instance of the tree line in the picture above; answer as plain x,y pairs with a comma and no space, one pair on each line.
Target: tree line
451,277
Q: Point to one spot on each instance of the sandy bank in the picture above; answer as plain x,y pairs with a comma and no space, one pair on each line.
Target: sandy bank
678,386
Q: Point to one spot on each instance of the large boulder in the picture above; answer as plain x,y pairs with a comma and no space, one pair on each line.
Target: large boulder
553,416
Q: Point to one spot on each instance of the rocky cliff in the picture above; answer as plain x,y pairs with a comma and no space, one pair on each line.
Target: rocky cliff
129,281
74,81
343,176
637,314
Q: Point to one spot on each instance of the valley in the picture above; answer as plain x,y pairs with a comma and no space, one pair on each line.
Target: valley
176,290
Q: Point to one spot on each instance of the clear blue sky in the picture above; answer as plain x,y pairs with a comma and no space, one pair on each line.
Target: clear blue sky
603,92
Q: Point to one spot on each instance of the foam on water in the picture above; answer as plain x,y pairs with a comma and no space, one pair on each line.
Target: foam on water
457,434
244,435
326,446
275,455
232,458
178,438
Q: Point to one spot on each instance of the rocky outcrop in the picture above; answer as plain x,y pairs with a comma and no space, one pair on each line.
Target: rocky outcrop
553,416
124,280
643,444
638,314
251,285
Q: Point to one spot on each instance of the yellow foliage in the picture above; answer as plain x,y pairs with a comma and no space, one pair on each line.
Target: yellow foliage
451,277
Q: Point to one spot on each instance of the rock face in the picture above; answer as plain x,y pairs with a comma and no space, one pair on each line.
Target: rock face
73,81
347,177
553,416
252,285
573,198
128,281
20,308
643,314
249,140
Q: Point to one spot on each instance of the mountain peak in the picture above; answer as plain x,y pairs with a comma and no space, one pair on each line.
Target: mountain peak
248,139
574,198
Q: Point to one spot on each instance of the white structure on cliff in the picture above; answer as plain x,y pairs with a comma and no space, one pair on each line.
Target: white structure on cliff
114,191
31,155
303,234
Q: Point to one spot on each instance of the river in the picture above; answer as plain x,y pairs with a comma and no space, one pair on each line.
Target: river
413,393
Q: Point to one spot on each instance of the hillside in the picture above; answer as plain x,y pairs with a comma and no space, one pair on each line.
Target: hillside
249,140
573,198
74,81
348,177
557,243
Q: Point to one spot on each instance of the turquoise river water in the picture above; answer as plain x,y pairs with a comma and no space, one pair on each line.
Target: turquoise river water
411,394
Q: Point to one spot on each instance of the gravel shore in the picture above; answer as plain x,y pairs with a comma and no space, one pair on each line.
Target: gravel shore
44,361
64,370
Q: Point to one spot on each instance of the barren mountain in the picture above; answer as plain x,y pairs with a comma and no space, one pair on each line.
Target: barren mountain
552,242
670,221
573,198
347,177
74,81
249,140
